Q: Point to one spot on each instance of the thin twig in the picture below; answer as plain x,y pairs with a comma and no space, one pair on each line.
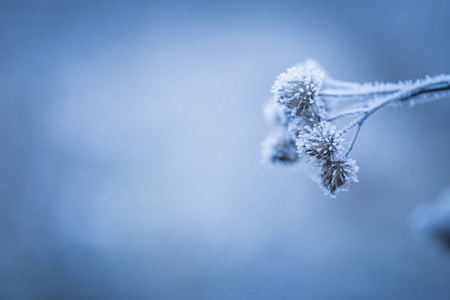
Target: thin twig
355,136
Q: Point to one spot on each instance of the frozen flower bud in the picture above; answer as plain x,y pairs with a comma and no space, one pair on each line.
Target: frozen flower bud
337,176
279,147
297,89
322,141
433,220
275,113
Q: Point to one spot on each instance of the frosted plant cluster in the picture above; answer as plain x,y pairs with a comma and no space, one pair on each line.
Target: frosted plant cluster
433,220
306,105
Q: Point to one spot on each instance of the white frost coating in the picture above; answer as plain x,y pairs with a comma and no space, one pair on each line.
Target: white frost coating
298,87
337,175
322,142
303,106
312,64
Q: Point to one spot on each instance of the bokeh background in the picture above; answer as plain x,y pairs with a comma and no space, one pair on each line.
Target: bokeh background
130,152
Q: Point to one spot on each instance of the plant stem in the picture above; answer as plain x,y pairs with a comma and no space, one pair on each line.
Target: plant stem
429,86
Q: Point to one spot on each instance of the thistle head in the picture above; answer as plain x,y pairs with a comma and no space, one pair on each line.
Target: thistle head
338,175
297,89
279,148
321,141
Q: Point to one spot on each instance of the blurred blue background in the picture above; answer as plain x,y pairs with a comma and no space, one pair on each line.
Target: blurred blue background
130,152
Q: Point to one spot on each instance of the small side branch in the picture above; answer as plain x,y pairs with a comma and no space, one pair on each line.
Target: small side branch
355,137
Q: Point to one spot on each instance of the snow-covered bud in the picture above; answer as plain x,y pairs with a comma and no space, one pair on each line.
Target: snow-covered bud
279,147
338,175
322,141
297,89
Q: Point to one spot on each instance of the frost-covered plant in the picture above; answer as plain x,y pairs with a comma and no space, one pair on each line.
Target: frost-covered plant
303,109
279,148
337,175
322,142
297,89
433,219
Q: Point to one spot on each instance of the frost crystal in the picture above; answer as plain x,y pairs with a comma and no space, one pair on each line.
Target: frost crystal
298,87
433,219
279,147
339,175
322,141
312,64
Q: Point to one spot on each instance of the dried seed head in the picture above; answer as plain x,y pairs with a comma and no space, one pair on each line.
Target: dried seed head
337,176
321,142
279,148
297,89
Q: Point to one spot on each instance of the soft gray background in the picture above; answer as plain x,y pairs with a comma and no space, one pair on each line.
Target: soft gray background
130,152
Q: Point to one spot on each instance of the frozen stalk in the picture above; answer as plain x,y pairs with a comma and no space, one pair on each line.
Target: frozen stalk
301,113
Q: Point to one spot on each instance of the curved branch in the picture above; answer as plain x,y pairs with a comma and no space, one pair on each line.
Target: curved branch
424,87
430,86
355,136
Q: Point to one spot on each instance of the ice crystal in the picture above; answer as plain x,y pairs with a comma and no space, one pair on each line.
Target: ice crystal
338,175
279,148
297,89
312,64
322,141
